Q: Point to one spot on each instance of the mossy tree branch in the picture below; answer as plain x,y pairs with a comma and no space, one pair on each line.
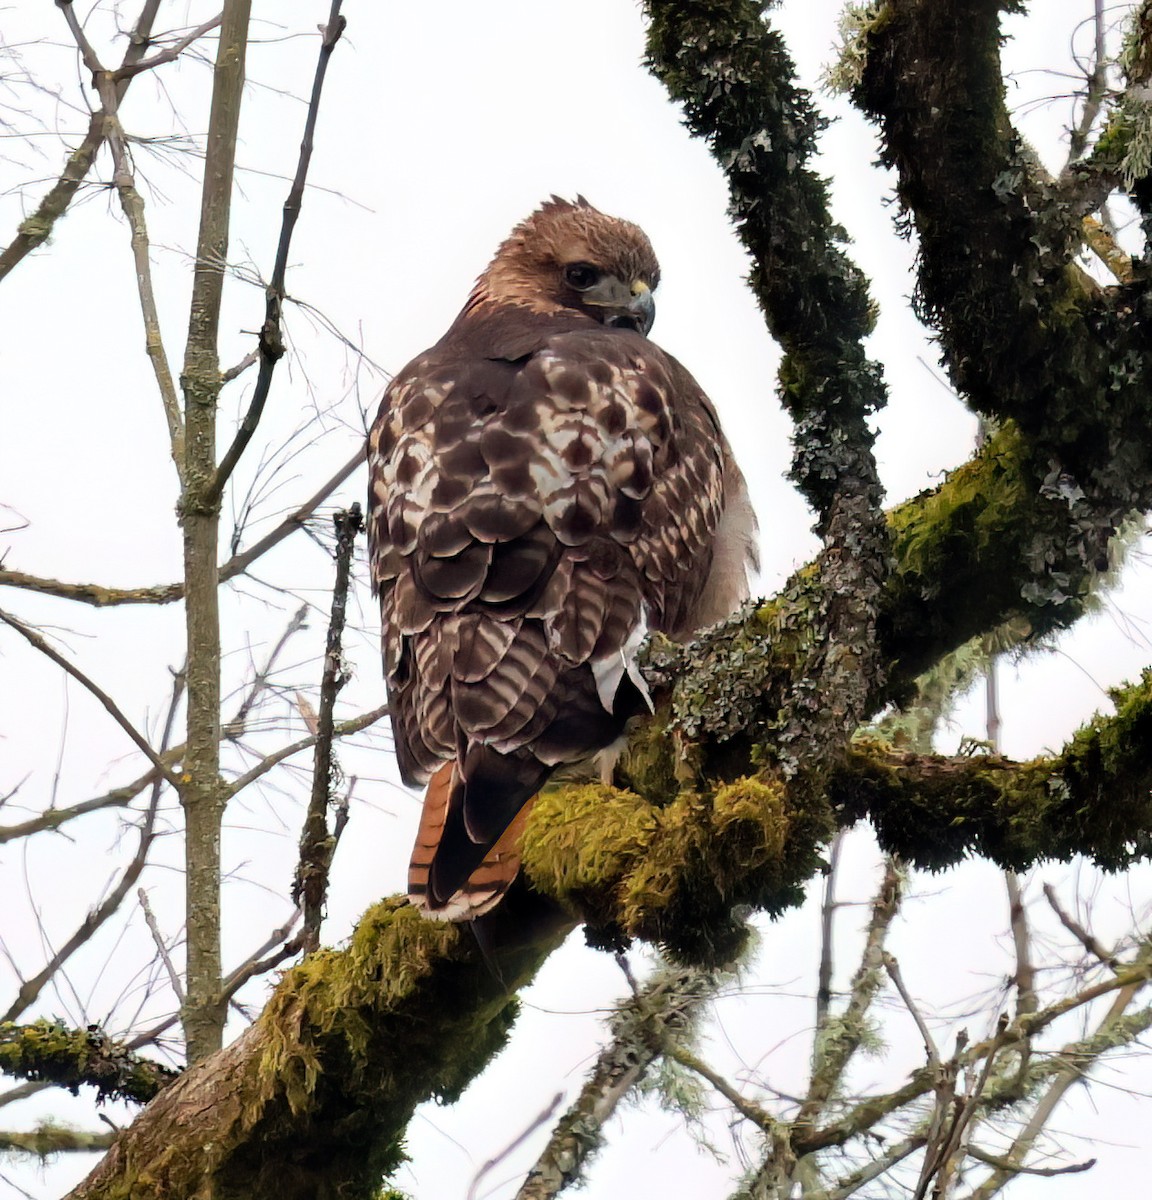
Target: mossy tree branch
313,1099
49,1139
52,1052
732,75
1022,336
636,863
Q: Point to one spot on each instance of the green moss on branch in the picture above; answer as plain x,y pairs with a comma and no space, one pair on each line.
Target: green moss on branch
51,1052
1094,798
313,1099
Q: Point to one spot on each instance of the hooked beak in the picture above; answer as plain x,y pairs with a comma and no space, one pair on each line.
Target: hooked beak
626,306
642,306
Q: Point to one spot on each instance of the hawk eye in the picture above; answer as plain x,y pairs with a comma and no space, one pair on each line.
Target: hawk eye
580,276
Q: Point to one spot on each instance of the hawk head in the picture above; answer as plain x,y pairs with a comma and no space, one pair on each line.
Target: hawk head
572,256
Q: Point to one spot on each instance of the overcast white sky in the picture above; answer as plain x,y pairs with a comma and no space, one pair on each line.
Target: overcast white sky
444,124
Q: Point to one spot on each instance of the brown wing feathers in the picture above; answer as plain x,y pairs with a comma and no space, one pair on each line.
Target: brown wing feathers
531,517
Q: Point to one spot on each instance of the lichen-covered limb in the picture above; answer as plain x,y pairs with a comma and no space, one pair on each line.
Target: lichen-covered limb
736,82
643,1028
992,544
1094,798
313,1099
52,1052
49,1139
669,867
994,261
1021,334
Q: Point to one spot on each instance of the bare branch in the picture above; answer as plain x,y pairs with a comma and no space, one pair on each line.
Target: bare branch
1005,1164
952,1117
271,337
91,59
486,1167
311,885
92,593
35,230
161,945
30,989
202,792
893,969
1095,93
101,597
169,54
257,964
234,372
132,204
1087,939
55,817
341,729
34,639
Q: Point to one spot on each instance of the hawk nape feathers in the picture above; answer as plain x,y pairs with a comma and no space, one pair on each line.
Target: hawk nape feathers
547,486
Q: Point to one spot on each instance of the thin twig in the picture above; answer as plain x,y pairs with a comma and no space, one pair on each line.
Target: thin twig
1096,83
943,1154
827,918
257,963
34,639
271,336
311,885
31,988
1072,1071
132,204
1005,1164
91,59
235,727
35,230
161,945
168,55
893,969
1086,939
342,729
486,1167
166,593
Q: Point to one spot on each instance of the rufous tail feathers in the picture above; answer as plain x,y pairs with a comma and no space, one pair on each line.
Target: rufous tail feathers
486,885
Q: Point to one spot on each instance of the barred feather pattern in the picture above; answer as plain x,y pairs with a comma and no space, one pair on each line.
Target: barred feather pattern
544,491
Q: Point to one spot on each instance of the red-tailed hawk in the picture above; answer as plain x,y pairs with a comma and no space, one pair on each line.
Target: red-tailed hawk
547,486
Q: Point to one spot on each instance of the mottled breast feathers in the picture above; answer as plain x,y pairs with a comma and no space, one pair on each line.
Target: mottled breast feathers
545,489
